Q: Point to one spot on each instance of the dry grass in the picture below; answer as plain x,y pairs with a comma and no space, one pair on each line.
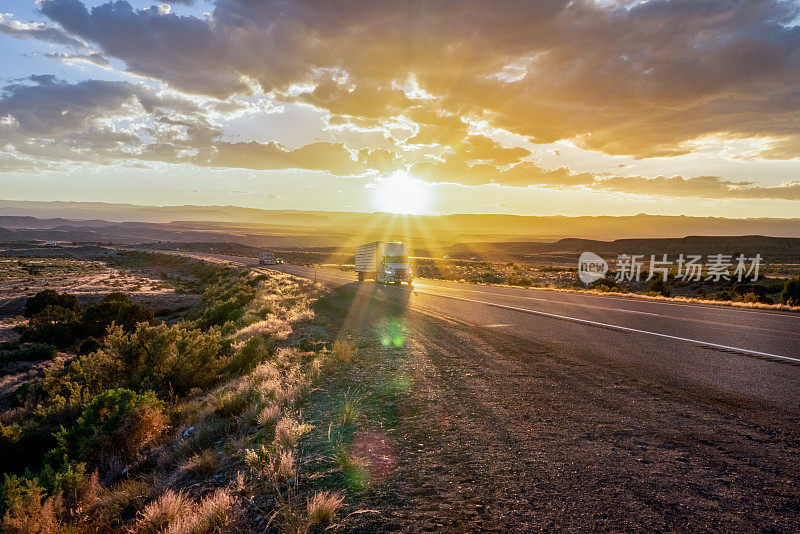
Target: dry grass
201,465
322,506
271,468
269,414
287,431
200,436
343,351
175,513
299,517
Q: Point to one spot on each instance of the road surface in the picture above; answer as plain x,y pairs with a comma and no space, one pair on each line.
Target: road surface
749,357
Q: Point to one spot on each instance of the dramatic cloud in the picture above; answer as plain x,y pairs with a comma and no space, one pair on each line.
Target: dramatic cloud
69,59
330,157
103,122
643,79
37,30
702,187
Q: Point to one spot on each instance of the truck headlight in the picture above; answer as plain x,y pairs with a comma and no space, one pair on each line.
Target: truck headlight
388,270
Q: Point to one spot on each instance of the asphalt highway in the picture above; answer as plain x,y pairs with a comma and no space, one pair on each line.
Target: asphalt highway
744,357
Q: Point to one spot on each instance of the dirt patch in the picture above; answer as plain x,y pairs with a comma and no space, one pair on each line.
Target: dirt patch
88,280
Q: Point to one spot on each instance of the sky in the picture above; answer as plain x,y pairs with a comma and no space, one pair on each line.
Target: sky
581,107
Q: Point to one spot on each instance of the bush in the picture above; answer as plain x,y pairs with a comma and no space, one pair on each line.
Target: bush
27,508
32,352
791,292
750,293
54,325
115,308
117,421
514,280
89,346
224,302
658,286
160,358
254,351
48,297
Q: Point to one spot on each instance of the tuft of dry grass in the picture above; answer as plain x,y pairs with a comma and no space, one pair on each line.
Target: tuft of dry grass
271,468
288,431
175,513
161,513
343,351
322,506
269,414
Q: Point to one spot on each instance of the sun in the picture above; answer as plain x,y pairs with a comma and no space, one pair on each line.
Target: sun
400,193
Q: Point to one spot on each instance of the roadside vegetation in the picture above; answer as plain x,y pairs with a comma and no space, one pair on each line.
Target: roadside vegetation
194,426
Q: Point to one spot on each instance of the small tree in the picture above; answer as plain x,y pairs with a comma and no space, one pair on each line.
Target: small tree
791,292
48,297
659,286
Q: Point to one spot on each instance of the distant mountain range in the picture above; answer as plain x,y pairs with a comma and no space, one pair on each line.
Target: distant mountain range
97,221
774,249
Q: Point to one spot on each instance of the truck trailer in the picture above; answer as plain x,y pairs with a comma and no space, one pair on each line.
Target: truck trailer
384,261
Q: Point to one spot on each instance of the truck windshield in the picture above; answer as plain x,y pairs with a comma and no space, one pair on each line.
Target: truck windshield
396,259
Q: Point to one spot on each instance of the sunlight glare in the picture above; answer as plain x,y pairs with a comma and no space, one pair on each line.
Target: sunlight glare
400,193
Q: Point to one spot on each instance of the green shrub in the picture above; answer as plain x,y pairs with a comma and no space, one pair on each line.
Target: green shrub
54,325
118,421
27,508
750,293
791,292
224,302
88,346
115,308
659,286
160,358
514,280
31,352
48,297
253,352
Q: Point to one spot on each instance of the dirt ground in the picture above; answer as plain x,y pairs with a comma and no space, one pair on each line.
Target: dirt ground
466,429
89,280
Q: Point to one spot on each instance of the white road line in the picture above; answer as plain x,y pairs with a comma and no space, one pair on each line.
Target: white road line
633,311
612,326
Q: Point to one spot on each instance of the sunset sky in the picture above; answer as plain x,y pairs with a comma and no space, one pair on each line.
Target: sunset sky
532,107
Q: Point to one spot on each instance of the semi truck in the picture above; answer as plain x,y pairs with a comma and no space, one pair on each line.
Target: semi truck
384,261
266,258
